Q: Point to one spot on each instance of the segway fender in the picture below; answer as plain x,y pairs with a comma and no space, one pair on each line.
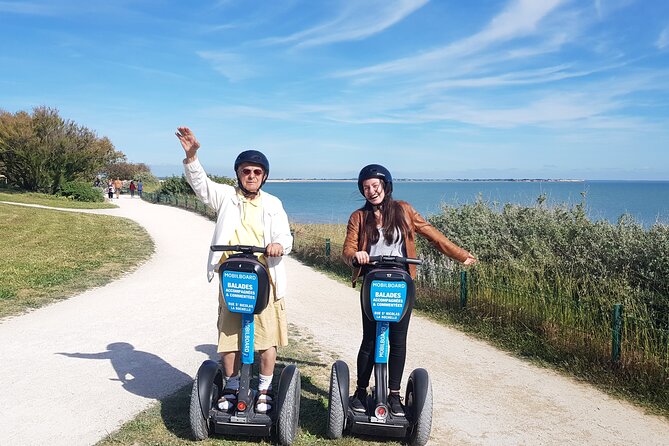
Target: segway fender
421,384
284,383
343,378
206,375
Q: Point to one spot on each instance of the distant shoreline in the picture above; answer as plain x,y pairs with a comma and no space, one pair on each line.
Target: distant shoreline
444,180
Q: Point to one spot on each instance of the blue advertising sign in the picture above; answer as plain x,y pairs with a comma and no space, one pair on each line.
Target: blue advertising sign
240,291
382,347
247,338
387,299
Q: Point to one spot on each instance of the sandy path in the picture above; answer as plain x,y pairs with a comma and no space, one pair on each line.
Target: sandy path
482,396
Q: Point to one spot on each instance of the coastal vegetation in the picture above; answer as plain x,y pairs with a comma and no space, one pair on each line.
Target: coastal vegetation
43,152
177,185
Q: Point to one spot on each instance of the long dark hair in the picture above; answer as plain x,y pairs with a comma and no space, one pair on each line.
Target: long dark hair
394,221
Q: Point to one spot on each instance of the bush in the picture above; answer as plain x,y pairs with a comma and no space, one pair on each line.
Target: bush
80,191
560,247
175,185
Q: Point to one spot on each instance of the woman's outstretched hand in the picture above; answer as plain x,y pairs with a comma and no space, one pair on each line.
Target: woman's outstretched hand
188,142
470,260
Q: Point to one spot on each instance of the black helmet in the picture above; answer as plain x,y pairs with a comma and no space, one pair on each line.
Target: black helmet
252,156
376,171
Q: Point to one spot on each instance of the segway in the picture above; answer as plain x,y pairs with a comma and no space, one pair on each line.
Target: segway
245,288
387,294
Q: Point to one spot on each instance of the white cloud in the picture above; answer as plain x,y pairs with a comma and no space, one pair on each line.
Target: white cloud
663,39
230,65
519,19
357,21
605,8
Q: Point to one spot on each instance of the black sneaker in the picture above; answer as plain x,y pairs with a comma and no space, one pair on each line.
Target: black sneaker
395,404
359,400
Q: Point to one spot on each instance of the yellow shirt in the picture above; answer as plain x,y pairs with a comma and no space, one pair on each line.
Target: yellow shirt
250,231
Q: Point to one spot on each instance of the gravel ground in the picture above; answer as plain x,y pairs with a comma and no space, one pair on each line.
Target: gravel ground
76,370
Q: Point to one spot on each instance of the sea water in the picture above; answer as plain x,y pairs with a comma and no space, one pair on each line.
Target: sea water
333,201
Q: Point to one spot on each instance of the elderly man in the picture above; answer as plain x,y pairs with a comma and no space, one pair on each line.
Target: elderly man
245,216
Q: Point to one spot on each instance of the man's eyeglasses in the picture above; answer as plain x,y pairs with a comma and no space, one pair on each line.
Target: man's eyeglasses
248,171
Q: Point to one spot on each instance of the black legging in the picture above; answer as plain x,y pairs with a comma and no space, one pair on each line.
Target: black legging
398,350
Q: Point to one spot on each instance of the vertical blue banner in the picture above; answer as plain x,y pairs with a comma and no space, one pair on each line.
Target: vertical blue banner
382,347
247,338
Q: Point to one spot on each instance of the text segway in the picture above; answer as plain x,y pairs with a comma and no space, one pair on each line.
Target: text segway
245,289
388,292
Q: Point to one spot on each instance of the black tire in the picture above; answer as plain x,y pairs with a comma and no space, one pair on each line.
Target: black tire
419,404
336,414
289,409
199,425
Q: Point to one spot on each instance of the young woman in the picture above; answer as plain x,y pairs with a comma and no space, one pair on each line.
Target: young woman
384,226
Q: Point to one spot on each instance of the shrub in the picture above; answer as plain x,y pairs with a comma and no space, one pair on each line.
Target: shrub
175,185
80,191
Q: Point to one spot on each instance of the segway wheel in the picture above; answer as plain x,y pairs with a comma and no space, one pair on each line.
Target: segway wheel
198,423
419,404
289,405
336,411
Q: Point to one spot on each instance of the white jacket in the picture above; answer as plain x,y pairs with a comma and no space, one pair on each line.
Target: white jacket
224,200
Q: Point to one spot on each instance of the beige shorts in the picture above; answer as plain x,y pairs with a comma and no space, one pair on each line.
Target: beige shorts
271,328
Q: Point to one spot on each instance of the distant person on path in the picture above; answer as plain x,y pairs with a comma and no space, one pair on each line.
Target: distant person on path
245,216
110,189
384,226
118,184
140,188
132,188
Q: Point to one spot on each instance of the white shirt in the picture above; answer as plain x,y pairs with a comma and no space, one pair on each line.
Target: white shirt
381,248
224,200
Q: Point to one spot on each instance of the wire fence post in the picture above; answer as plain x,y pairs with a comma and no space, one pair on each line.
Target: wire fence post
463,289
327,247
616,332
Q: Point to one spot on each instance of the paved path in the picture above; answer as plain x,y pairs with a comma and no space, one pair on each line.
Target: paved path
141,337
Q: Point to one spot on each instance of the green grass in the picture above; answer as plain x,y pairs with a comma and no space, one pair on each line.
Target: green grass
50,200
166,423
49,255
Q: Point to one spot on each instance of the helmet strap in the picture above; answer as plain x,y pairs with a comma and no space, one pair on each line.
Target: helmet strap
247,193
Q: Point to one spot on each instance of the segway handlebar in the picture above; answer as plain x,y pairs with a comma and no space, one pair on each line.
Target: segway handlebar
246,249
390,259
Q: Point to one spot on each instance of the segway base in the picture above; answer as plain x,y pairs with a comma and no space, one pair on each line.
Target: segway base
364,424
253,424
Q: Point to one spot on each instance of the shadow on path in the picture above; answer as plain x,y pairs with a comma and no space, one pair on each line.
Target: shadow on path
209,350
148,375
139,372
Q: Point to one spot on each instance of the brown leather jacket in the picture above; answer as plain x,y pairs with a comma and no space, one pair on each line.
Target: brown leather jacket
357,241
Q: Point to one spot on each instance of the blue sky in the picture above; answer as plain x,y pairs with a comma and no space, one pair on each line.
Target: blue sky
436,89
